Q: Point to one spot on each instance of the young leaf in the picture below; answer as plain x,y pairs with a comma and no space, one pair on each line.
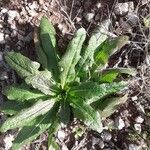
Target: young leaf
22,93
97,38
13,107
90,90
107,48
35,128
47,36
41,81
26,115
21,64
90,117
71,56
110,74
39,49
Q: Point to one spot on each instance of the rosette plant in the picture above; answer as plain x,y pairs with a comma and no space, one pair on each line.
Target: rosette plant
58,88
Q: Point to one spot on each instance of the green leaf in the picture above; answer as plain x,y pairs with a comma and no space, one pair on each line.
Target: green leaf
39,49
22,93
71,57
87,114
110,74
47,36
35,128
109,106
13,107
106,49
91,91
21,64
64,113
42,81
26,115
52,145
97,38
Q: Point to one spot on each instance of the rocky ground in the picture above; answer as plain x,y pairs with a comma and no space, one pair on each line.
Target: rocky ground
129,127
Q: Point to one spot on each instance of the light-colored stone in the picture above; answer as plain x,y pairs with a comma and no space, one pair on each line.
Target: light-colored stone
8,141
61,135
89,16
139,119
119,123
2,39
137,127
106,136
134,147
123,8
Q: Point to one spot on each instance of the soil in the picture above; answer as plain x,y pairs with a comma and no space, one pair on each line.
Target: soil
18,18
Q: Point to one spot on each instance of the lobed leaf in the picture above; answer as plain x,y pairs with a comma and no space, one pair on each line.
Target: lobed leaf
21,64
26,115
71,57
21,93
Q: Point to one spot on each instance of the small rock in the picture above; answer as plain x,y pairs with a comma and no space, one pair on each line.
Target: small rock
1,56
106,136
134,147
98,5
139,119
134,98
101,144
95,140
119,123
3,76
12,14
4,10
89,16
123,8
2,39
132,18
8,141
137,127
61,135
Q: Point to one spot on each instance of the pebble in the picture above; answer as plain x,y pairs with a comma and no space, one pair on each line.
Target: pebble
95,140
138,127
12,14
123,8
89,16
8,141
139,119
119,123
106,136
2,39
132,18
101,144
61,135
134,147
1,56
4,10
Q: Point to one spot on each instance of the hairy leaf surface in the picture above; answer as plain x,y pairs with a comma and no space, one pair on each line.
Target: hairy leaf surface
91,90
71,56
35,128
41,81
22,93
21,64
90,117
107,49
47,36
26,115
